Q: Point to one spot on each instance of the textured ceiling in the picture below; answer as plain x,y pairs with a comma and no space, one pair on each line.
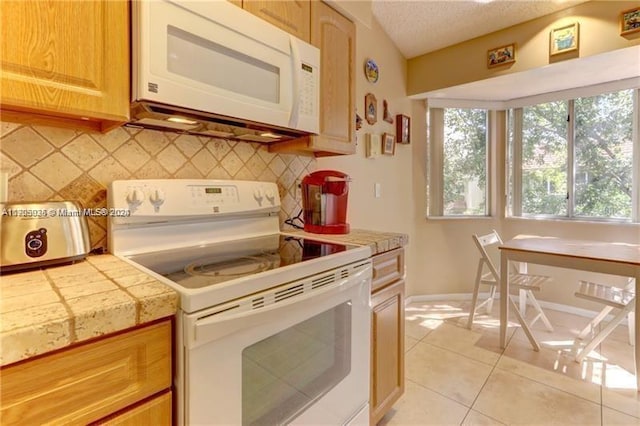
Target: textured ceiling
422,26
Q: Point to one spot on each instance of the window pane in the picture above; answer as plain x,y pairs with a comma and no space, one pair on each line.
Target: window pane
603,155
465,162
544,159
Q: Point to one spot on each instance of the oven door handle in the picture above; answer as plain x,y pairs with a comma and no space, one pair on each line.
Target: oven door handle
218,326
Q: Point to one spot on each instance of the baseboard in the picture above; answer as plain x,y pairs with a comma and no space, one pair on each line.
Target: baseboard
544,304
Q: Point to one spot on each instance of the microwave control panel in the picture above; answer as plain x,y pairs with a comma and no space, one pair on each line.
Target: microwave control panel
308,97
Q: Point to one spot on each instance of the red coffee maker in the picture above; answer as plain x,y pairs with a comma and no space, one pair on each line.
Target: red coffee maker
324,202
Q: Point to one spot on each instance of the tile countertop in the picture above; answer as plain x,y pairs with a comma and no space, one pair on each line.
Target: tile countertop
51,308
378,241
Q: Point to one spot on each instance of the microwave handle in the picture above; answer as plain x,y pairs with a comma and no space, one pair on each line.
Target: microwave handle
295,64
216,327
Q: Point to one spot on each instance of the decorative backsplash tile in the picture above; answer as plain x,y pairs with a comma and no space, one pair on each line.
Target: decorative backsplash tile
49,163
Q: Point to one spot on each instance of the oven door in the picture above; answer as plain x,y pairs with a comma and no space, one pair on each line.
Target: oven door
298,354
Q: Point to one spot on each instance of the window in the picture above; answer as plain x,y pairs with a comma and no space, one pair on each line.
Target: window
458,162
574,158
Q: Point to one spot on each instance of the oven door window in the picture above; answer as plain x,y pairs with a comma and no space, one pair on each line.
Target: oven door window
285,373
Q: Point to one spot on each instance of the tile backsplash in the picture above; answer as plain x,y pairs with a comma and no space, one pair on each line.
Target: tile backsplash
50,163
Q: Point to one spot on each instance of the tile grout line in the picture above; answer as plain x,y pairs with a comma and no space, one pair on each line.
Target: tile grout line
551,386
493,368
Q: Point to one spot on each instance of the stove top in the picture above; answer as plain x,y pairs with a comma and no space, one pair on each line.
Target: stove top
214,241
207,265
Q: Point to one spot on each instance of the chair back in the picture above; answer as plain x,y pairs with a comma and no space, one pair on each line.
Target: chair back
484,241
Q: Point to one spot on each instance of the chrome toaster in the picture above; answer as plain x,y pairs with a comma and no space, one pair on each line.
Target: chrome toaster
36,234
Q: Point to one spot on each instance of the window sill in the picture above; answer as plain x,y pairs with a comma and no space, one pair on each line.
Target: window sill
461,217
571,220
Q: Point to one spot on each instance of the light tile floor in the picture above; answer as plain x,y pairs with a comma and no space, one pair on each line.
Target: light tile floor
456,376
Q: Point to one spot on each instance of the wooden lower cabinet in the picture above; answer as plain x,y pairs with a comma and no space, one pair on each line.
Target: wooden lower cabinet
89,382
387,346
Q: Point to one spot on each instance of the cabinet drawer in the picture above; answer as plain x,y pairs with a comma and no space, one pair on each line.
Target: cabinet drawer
88,382
387,268
156,412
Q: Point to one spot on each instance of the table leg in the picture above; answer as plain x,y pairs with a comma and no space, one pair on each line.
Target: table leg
504,295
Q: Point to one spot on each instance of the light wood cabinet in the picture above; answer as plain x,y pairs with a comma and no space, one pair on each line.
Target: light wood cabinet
91,381
387,333
293,16
65,62
335,36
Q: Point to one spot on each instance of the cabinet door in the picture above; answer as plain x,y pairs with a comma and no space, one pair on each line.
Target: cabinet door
335,36
67,59
290,15
387,349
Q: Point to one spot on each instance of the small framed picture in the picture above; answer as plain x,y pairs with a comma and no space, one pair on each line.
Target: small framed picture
564,39
370,108
388,144
630,21
403,124
502,55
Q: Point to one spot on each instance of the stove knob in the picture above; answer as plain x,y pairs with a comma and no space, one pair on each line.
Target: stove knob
258,195
157,198
271,196
135,197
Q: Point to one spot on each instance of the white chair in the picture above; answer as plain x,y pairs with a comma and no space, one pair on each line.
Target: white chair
525,283
614,298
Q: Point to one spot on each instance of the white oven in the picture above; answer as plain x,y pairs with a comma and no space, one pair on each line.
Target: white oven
272,328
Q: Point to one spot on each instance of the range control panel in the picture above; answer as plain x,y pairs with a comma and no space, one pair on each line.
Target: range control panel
166,198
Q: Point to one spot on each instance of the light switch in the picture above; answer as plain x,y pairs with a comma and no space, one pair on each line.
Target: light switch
377,191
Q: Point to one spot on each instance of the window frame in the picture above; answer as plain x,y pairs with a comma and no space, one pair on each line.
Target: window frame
435,162
514,187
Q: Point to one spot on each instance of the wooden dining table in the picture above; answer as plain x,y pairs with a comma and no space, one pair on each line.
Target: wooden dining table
615,258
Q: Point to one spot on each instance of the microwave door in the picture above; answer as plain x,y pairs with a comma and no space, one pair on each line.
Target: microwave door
192,55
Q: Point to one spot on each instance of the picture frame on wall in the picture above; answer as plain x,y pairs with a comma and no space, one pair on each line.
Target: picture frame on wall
403,129
630,21
564,39
502,55
388,144
370,108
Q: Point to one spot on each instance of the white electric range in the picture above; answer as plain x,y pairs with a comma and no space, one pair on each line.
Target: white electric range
272,328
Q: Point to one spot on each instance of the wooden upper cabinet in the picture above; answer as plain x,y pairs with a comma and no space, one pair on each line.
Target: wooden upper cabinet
289,15
335,36
65,62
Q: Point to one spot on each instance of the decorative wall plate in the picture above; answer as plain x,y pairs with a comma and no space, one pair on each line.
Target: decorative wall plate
371,70
370,108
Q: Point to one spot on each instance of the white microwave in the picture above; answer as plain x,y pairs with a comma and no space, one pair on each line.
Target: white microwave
213,68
